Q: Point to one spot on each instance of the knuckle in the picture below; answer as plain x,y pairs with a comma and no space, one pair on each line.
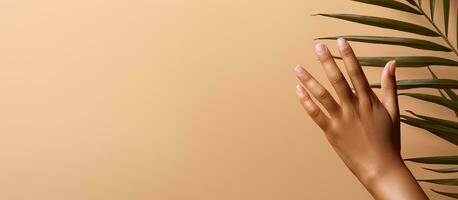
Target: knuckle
323,94
306,77
337,81
314,112
355,72
364,104
334,139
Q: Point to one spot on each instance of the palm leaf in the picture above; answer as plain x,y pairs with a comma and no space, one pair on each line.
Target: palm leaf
432,6
449,181
446,15
408,42
391,4
405,61
424,83
449,92
447,170
412,2
446,133
452,95
441,160
384,23
452,195
442,122
434,99
435,77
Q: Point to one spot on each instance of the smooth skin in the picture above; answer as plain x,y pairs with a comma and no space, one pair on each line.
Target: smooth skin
363,129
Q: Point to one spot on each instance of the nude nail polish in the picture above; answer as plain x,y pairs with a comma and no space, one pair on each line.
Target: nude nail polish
389,67
320,48
299,70
342,43
392,69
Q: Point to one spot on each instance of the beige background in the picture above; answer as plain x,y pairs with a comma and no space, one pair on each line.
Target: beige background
177,99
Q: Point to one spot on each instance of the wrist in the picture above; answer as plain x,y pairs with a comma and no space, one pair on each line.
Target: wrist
393,181
378,173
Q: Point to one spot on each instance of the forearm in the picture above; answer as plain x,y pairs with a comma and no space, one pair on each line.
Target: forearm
394,182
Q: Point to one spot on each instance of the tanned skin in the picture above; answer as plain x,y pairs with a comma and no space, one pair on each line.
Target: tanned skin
363,129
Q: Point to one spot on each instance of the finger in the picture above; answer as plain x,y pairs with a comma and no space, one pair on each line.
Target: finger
389,96
317,90
354,70
334,74
311,108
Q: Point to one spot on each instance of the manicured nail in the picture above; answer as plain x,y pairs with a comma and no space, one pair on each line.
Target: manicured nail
299,70
387,67
391,67
320,48
300,91
342,43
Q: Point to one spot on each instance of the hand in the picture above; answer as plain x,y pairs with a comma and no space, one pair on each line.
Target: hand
363,130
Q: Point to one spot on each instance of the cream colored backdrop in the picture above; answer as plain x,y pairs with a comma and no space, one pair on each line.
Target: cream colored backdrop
176,100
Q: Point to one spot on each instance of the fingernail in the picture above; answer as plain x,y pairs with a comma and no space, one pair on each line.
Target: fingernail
299,70
391,67
320,48
342,43
387,67
300,91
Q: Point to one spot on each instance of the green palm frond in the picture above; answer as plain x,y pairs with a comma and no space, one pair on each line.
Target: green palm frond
450,93
452,195
438,160
447,133
411,2
391,4
398,41
423,83
432,7
405,61
442,122
446,15
446,170
434,99
449,181
435,77
384,23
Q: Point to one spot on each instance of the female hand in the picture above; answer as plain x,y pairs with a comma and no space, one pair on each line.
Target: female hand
363,130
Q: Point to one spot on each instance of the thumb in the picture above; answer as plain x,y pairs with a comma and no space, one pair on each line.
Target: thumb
389,91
